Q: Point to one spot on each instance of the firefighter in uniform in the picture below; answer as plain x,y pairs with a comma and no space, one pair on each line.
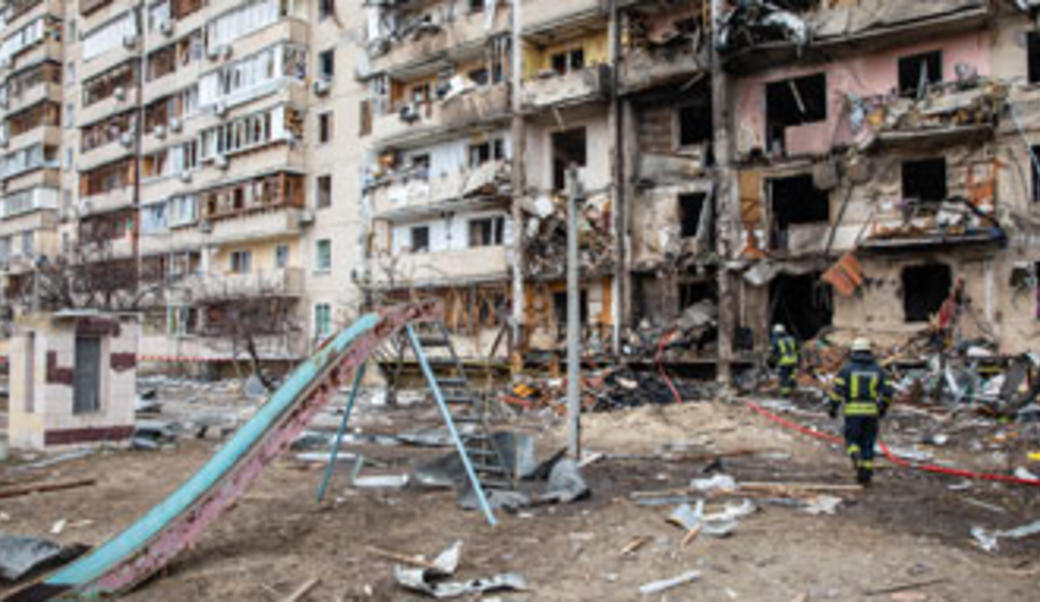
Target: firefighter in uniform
864,390
785,357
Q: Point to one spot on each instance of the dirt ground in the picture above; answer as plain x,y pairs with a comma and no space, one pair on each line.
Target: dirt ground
909,528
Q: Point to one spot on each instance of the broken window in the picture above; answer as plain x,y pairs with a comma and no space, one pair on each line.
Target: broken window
326,8
475,6
420,236
796,200
801,303
568,148
925,288
486,232
690,208
281,257
486,151
918,71
322,319
1033,56
691,293
560,311
695,124
924,180
479,76
793,102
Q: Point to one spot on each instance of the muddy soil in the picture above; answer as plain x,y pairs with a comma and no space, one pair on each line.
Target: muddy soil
909,528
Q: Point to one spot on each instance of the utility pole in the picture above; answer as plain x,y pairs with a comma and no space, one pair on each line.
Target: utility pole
725,191
519,181
575,197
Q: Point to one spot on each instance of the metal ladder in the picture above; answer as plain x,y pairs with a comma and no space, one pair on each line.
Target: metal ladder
485,467
460,406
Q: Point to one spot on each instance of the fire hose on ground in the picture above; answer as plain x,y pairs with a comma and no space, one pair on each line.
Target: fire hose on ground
894,459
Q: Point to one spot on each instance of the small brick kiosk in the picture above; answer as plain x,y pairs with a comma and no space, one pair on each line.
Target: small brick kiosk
72,379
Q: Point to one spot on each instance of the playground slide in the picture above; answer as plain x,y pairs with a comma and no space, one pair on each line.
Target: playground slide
150,543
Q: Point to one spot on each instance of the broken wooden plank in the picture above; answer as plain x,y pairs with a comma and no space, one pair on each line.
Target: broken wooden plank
903,588
409,560
691,535
635,544
303,590
45,487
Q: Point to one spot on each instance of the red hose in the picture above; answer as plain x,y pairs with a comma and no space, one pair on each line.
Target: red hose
660,365
957,472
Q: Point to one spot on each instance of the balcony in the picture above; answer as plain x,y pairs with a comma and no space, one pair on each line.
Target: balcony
175,81
105,154
116,103
110,60
35,9
105,202
948,115
446,267
46,50
414,194
170,241
546,15
838,32
427,122
285,281
28,221
47,135
268,224
429,45
641,69
29,201
588,85
38,93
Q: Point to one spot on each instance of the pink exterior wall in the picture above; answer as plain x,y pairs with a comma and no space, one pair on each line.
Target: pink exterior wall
866,75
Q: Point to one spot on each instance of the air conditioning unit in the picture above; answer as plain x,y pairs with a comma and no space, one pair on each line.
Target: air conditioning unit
306,217
5,63
166,27
120,93
220,161
213,53
220,109
159,132
205,226
126,139
3,102
322,87
410,113
186,176
5,142
175,125
225,51
130,41
85,207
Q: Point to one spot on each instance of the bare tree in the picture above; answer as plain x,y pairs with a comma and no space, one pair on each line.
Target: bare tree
87,276
248,318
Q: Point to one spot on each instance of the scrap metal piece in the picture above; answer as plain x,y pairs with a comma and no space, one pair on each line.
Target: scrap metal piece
20,555
414,580
566,483
656,587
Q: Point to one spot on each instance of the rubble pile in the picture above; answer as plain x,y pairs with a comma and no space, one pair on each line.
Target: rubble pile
691,333
545,251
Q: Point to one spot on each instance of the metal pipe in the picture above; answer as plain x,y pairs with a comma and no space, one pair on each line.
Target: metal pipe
358,376
574,199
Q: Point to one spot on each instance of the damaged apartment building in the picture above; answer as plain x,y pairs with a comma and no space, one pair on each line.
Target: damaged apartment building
812,163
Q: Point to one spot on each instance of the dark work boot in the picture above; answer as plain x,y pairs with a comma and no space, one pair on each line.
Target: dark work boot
863,476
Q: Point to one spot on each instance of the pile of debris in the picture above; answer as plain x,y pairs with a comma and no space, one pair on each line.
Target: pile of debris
611,388
545,251
692,333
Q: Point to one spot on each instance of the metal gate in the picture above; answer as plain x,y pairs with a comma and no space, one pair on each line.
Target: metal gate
87,384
